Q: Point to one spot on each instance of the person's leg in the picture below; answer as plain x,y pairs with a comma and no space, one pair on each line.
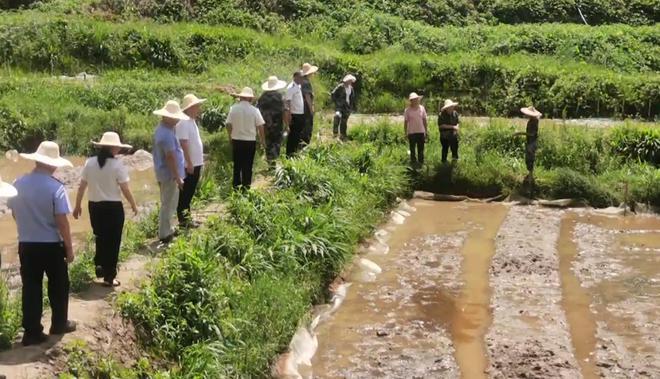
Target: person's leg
169,196
295,130
336,121
445,147
185,197
58,287
412,145
420,148
115,225
96,220
250,150
236,154
308,129
530,154
454,147
344,124
32,273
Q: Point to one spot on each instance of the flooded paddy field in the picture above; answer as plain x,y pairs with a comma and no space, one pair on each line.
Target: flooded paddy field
477,290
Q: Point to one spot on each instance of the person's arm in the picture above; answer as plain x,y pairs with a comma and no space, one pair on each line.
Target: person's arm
310,102
79,197
126,190
287,114
64,228
185,145
170,159
262,135
405,123
426,125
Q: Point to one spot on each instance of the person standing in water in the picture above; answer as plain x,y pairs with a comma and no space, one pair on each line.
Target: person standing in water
169,166
187,132
107,179
40,209
344,98
415,126
531,133
308,96
448,123
271,106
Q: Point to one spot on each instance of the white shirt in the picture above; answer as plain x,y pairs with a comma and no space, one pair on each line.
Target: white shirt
244,119
349,91
103,183
187,130
295,96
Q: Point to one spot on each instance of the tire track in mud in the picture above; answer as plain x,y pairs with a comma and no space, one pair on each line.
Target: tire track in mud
529,336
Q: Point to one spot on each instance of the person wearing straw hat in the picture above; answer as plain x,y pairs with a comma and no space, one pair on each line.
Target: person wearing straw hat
344,98
308,71
294,113
41,208
107,179
531,133
187,132
6,191
448,123
271,106
415,125
169,166
244,124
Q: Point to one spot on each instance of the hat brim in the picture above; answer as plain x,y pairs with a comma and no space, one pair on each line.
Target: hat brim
199,101
245,95
448,106
531,113
312,70
281,84
7,190
48,161
177,116
415,98
122,145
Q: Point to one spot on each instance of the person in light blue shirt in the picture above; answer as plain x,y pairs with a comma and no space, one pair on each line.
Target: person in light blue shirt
40,209
169,166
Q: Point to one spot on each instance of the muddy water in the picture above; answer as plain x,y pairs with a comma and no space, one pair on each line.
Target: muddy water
143,186
611,282
425,315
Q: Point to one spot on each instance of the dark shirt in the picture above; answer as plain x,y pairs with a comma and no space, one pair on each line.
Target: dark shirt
532,127
339,98
306,88
446,118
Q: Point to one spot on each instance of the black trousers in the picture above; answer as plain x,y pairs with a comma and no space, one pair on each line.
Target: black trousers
107,219
449,140
295,134
308,129
340,122
37,259
243,154
186,195
416,141
530,153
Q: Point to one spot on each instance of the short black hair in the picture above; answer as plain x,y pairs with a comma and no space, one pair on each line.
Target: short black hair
297,74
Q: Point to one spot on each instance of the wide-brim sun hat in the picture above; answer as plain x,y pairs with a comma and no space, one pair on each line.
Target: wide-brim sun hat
308,69
531,112
48,153
7,190
448,104
111,139
190,100
273,84
246,92
171,110
414,95
349,78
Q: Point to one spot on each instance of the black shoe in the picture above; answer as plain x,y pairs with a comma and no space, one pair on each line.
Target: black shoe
69,327
36,339
167,240
99,272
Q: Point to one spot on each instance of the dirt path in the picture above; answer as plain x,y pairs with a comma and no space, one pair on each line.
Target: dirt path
529,336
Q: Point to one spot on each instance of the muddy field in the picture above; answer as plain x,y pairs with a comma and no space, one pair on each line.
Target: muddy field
476,290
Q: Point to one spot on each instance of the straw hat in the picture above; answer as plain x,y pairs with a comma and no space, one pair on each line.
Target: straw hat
48,153
531,112
273,84
190,100
111,139
414,95
308,69
7,190
171,110
349,78
448,104
245,92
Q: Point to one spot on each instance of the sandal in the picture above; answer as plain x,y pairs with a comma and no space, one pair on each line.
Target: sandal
114,283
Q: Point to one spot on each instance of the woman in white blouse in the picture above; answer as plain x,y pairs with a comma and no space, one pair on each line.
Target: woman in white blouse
107,178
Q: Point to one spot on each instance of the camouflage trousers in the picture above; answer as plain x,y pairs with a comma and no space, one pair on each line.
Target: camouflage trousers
274,131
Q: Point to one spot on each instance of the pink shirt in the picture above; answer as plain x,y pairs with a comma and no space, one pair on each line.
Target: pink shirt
415,119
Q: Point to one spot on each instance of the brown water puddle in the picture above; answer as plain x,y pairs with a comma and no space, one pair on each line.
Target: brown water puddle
611,292
426,314
143,185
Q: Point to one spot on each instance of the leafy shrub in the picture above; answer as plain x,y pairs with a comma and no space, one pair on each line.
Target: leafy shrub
637,144
10,316
566,183
213,119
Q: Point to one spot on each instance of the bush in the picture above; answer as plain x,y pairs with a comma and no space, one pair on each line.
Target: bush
637,144
10,316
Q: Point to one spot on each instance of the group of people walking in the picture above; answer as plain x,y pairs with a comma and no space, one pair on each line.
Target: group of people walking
40,203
